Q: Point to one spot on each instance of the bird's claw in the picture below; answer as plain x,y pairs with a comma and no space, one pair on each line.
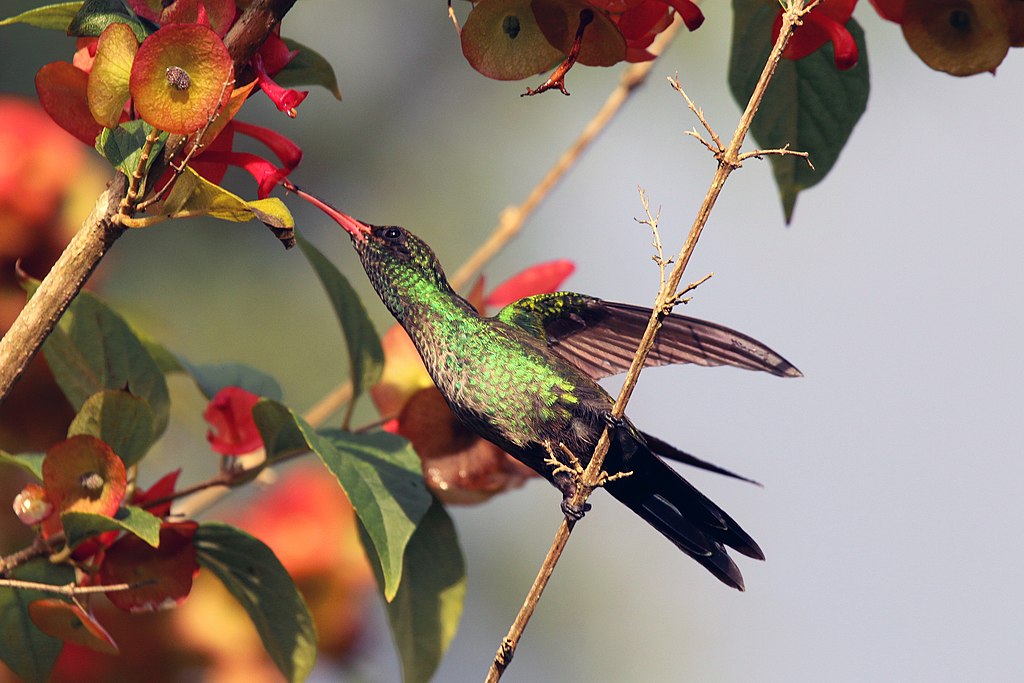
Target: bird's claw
574,513
614,422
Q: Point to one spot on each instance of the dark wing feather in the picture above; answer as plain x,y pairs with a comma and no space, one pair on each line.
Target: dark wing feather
601,337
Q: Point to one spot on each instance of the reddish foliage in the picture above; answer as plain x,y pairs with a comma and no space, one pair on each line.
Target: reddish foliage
229,414
164,574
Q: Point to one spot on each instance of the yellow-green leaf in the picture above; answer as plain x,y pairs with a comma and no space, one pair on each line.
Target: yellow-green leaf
107,90
194,195
56,16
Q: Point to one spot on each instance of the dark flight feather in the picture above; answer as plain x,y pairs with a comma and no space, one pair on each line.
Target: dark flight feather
601,337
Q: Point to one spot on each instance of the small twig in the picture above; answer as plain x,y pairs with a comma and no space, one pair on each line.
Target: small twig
699,113
652,222
680,296
38,548
727,162
455,21
783,151
71,589
557,77
128,203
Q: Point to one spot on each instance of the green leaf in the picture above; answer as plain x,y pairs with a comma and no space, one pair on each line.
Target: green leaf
122,420
193,195
122,147
380,474
254,575
809,105
165,360
92,349
96,15
29,652
308,68
57,16
365,355
425,613
30,462
78,526
212,378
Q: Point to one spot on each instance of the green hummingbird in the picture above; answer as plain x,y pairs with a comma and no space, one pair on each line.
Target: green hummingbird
526,380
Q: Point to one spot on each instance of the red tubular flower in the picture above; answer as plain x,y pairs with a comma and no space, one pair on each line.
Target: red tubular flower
284,99
233,430
266,175
284,149
690,13
275,53
825,23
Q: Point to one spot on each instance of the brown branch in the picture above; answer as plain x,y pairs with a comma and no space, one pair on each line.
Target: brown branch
728,161
100,230
41,313
70,590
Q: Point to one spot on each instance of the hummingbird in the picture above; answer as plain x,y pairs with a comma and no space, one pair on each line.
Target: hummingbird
526,380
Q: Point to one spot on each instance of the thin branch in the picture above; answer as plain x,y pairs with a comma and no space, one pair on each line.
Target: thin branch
126,206
454,19
783,151
728,161
70,590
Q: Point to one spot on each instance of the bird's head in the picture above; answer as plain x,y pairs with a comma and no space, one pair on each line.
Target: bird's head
388,250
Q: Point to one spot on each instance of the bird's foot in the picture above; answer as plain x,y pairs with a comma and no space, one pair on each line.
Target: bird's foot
614,422
574,513
567,477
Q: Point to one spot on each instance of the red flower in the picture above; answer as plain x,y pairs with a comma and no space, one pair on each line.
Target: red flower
284,99
826,23
230,416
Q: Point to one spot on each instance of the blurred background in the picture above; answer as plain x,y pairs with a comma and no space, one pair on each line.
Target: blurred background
891,470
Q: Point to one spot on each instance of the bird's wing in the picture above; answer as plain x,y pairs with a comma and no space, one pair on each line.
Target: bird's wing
601,337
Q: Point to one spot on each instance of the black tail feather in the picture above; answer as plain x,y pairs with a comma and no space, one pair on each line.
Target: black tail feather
688,518
667,450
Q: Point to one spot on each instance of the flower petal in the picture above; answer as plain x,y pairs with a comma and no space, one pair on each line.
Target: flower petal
458,465
72,624
62,93
164,573
960,37
229,414
108,81
83,474
542,278
283,148
284,99
181,78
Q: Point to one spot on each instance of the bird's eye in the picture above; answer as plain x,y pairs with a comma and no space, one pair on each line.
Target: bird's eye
392,234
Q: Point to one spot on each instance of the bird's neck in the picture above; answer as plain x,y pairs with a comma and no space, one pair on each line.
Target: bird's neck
425,304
